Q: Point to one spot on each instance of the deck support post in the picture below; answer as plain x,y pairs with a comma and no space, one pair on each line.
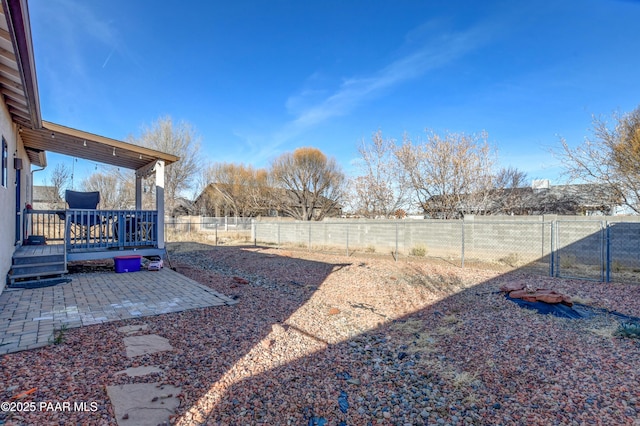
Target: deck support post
138,192
159,169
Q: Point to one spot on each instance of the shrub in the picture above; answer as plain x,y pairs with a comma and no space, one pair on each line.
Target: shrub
567,261
419,250
513,259
617,266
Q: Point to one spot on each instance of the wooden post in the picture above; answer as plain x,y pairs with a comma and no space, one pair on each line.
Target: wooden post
138,192
159,169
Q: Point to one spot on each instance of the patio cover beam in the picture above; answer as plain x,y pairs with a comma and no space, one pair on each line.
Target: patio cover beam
77,143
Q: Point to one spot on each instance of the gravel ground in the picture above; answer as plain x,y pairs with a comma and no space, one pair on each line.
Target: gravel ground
326,339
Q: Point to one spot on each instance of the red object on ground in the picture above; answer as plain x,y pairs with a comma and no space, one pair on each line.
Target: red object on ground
518,290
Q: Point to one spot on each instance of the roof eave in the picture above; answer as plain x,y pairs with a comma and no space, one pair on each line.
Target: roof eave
17,15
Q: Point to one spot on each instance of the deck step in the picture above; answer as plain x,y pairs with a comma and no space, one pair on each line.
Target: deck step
39,282
31,264
48,268
22,274
31,260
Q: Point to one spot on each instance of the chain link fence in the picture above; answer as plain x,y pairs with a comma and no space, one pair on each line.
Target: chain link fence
226,223
217,230
582,248
623,251
579,249
599,250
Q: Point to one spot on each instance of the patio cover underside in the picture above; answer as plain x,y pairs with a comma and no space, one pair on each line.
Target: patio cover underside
76,143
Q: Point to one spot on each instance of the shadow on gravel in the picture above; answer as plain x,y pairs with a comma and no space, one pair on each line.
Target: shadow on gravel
313,343
470,357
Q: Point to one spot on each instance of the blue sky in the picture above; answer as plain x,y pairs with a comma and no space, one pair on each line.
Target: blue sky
259,78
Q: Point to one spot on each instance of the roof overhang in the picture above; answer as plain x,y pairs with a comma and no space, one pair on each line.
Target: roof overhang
18,82
77,143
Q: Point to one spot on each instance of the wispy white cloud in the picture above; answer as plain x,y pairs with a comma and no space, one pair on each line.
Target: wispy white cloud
72,32
438,51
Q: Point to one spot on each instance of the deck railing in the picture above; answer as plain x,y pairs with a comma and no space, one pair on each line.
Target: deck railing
94,229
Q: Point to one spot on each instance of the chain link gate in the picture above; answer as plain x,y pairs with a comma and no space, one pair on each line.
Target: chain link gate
579,249
623,251
596,250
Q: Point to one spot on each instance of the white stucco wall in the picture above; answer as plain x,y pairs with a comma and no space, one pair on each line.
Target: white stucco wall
8,193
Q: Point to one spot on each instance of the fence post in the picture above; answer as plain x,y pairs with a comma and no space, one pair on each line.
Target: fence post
254,232
309,243
216,233
347,239
462,246
608,252
396,256
552,255
278,235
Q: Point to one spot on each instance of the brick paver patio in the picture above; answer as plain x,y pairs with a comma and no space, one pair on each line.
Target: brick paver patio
28,317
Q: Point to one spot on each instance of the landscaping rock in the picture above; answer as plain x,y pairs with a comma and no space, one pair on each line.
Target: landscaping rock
143,404
140,371
147,344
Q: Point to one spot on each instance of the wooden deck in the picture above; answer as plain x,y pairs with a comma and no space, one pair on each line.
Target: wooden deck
37,263
77,235
38,251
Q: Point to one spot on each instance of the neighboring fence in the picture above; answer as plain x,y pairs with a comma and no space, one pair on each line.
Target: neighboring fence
226,223
214,229
600,250
568,247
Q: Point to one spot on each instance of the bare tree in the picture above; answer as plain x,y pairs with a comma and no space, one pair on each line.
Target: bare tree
450,174
509,191
312,184
235,189
611,157
379,190
116,191
58,181
359,200
178,140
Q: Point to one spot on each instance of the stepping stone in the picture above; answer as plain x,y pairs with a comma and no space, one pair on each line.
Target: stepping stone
140,371
147,344
143,404
132,329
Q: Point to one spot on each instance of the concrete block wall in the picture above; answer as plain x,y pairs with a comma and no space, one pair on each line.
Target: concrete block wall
624,243
524,241
485,238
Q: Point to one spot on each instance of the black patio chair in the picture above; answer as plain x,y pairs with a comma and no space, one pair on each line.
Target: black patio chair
84,201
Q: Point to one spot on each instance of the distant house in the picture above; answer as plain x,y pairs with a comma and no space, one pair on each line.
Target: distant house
218,200
182,207
575,199
46,198
539,198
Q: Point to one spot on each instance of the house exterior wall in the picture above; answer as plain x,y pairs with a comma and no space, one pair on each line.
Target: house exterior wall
15,149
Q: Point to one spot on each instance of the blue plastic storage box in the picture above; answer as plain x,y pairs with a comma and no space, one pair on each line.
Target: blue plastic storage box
127,263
